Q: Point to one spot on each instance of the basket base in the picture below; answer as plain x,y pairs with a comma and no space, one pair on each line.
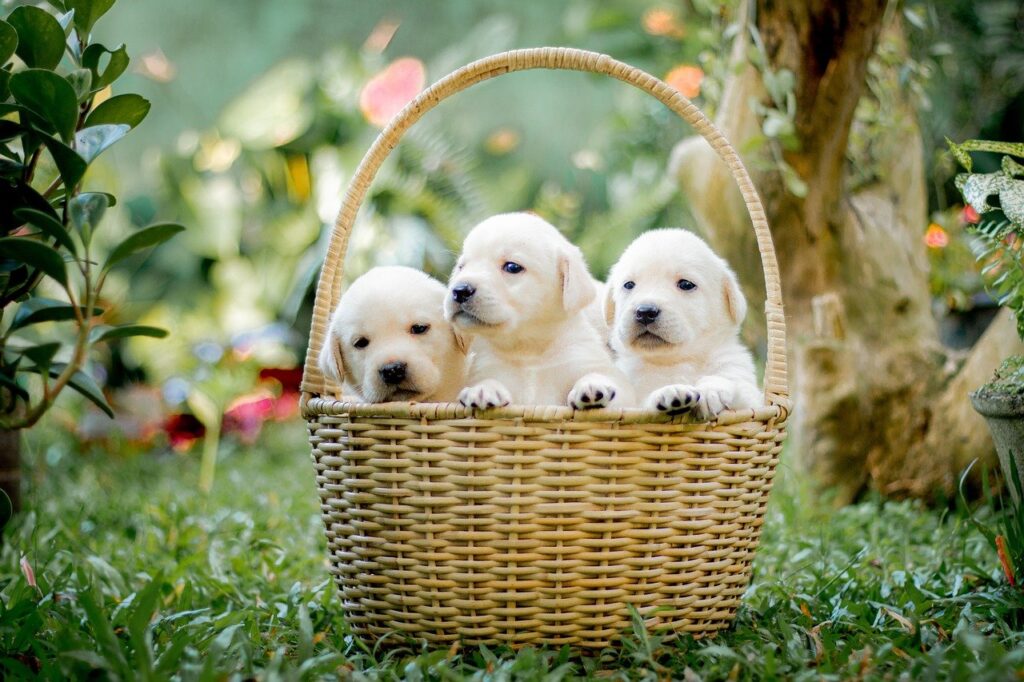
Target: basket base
518,531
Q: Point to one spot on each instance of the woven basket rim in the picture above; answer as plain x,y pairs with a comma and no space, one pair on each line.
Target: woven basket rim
318,406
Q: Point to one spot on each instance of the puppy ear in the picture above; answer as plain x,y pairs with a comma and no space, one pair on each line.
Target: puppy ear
460,341
577,287
735,302
331,360
609,304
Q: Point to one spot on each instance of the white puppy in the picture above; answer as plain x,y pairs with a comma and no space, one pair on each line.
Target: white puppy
390,336
675,310
520,289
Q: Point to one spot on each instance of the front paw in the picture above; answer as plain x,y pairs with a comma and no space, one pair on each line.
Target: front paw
674,399
714,398
591,392
485,395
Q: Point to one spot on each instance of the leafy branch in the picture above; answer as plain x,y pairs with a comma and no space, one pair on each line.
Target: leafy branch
56,117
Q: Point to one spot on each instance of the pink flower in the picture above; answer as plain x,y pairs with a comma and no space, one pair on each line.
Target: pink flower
30,575
245,416
389,91
686,78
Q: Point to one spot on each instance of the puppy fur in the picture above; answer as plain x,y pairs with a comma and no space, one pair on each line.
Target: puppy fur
521,291
675,309
390,336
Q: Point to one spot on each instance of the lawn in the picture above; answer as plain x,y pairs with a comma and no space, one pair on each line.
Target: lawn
140,575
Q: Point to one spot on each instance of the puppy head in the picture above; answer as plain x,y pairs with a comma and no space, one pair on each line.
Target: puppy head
670,294
516,273
390,336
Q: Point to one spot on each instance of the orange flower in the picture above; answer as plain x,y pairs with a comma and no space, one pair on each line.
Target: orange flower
936,237
659,21
501,141
686,78
389,91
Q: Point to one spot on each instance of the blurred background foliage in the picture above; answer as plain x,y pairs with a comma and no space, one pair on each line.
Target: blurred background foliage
262,110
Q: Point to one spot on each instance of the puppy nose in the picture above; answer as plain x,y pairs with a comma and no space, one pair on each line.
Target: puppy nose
463,292
645,314
392,373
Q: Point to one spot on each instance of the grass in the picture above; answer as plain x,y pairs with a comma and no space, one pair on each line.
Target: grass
140,576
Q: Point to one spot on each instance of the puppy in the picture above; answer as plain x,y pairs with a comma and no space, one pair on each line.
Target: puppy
521,291
390,336
675,309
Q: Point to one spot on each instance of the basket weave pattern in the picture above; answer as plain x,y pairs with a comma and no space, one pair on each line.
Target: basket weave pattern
538,524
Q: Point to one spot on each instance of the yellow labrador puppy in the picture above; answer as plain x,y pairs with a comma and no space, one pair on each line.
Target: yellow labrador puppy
390,335
675,310
521,291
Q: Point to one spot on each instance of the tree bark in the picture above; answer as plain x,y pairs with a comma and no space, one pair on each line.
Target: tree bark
10,466
879,401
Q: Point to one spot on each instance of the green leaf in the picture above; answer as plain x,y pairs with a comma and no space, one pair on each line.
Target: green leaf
962,156
42,354
91,142
8,382
145,238
38,309
19,195
82,383
36,254
40,37
106,332
6,509
5,84
86,211
71,166
127,109
9,130
87,12
115,67
8,42
48,224
48,96
81,82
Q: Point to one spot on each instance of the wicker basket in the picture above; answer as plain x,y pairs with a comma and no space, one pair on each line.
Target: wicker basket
538,524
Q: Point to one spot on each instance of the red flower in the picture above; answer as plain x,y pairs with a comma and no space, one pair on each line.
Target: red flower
289,377
969,215
183,430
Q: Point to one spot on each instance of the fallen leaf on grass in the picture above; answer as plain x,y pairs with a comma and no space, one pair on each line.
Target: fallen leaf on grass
902,620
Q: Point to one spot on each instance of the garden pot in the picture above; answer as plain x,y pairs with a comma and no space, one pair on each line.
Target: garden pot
1004,413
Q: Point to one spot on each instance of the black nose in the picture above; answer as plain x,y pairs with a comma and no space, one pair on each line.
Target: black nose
645,314
392,373
463,292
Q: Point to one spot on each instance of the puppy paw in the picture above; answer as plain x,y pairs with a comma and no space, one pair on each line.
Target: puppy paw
674,399
715,396
593,390
485,395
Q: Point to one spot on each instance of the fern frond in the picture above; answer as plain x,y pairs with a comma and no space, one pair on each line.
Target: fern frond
1002,269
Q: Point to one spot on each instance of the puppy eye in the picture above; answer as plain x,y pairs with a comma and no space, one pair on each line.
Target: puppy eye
419,328
629,285
512,268
686,285
362,342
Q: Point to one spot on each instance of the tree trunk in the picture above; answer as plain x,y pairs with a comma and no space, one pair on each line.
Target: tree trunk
879,402
10,466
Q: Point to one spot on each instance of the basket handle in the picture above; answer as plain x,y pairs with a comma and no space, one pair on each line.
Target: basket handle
328,289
